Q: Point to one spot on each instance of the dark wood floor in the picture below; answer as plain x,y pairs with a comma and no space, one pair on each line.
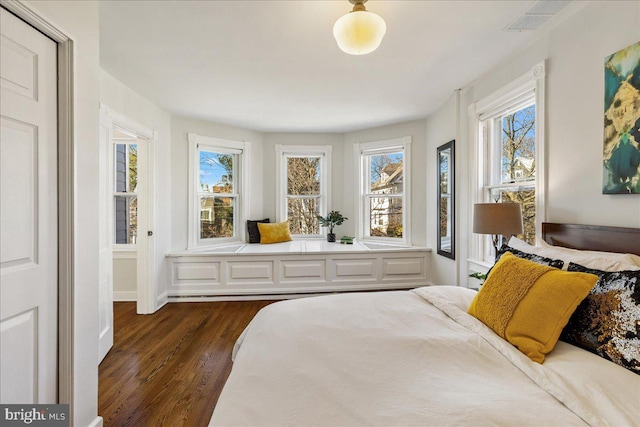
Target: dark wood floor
168,368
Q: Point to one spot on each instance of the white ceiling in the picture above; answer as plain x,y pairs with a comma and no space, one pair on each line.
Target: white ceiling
273,66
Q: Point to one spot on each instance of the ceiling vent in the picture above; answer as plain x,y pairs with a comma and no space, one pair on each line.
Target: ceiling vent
537,15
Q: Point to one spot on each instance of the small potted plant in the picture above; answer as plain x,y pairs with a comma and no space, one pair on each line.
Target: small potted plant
334,218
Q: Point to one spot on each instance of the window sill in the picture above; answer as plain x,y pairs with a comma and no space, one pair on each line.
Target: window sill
308,246
478,266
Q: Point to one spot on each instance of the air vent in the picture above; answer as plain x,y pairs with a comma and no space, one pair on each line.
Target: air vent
537,15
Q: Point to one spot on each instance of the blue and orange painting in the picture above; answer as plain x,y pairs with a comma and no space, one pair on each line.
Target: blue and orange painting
621,165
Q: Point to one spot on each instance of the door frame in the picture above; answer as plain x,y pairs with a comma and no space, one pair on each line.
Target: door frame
66,183
146,245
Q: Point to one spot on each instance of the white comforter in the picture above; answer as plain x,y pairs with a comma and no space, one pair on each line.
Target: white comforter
410,358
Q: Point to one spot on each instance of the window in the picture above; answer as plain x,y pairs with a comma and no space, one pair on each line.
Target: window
126,182
513,152
303,187
217,190
509,154
383,182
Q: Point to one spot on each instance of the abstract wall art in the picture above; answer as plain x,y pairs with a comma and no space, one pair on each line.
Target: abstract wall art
621,174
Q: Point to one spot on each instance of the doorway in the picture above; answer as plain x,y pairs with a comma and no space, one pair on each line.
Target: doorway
127,246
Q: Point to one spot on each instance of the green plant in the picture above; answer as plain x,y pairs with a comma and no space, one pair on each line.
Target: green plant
479,276
334,218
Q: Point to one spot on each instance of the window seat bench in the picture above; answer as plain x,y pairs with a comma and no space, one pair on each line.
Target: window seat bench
284,270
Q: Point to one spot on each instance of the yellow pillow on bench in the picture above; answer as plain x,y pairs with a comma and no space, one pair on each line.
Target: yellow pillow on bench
274,233
529,304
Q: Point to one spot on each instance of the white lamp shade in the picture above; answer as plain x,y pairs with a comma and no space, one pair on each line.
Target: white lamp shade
359,32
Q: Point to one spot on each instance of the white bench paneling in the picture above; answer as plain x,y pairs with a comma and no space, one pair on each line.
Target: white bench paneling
250,271
355,269
282,270
199,271
403,267
305,270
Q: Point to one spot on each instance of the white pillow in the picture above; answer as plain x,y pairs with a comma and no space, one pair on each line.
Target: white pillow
605,261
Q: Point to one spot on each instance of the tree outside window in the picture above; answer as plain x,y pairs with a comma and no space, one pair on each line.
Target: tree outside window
385,189
217,194
125,197
303,194
518,166
303,186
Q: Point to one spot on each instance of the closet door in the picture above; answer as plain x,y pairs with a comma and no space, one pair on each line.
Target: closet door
28,214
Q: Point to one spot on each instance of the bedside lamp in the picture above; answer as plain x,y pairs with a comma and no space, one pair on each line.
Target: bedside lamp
497,219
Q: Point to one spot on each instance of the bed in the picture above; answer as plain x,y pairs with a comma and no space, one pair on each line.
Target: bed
418,358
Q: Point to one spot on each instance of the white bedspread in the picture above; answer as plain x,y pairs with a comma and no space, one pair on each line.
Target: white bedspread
410,358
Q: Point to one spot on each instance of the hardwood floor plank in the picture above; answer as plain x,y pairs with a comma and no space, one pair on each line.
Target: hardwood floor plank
168,368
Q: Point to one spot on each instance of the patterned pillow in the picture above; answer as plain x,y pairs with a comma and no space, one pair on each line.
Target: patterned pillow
252,230
607,322
539,259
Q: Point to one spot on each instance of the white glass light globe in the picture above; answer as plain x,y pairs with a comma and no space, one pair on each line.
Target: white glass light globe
359,32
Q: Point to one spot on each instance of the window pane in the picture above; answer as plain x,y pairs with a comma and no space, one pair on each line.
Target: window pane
302,216
216,217
527,199
445,225
303,175
386,172
216,172
519,145
385,216
126,219
126,167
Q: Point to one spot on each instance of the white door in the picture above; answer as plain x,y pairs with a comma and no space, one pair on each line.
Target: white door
28,213
105,266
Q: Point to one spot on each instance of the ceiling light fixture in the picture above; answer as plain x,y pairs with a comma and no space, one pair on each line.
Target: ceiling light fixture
359,32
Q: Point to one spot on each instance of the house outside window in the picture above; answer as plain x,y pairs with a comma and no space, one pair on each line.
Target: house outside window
509,156
125,201
303,187
513,146
383,186
218,190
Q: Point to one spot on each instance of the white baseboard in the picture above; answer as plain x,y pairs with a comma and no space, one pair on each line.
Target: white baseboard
97,422
162,300
125,295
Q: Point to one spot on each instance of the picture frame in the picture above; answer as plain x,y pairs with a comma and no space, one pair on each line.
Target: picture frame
621,153
446,200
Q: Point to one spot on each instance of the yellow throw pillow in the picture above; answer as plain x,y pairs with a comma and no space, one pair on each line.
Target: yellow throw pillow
274,233
529,304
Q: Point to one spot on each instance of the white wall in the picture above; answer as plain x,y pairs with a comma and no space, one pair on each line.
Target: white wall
129,103
441,128
575,52
180,127
124,279
79,20
420,166
269,173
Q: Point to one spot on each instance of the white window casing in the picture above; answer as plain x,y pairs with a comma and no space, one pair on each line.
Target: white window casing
361,179
283,152
528,89
242,151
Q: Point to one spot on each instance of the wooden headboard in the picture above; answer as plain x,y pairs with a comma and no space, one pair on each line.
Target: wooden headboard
592,237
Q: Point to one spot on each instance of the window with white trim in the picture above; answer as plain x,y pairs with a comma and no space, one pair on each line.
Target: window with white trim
510,154
218,190
303,187
125,196
512,159
383,178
